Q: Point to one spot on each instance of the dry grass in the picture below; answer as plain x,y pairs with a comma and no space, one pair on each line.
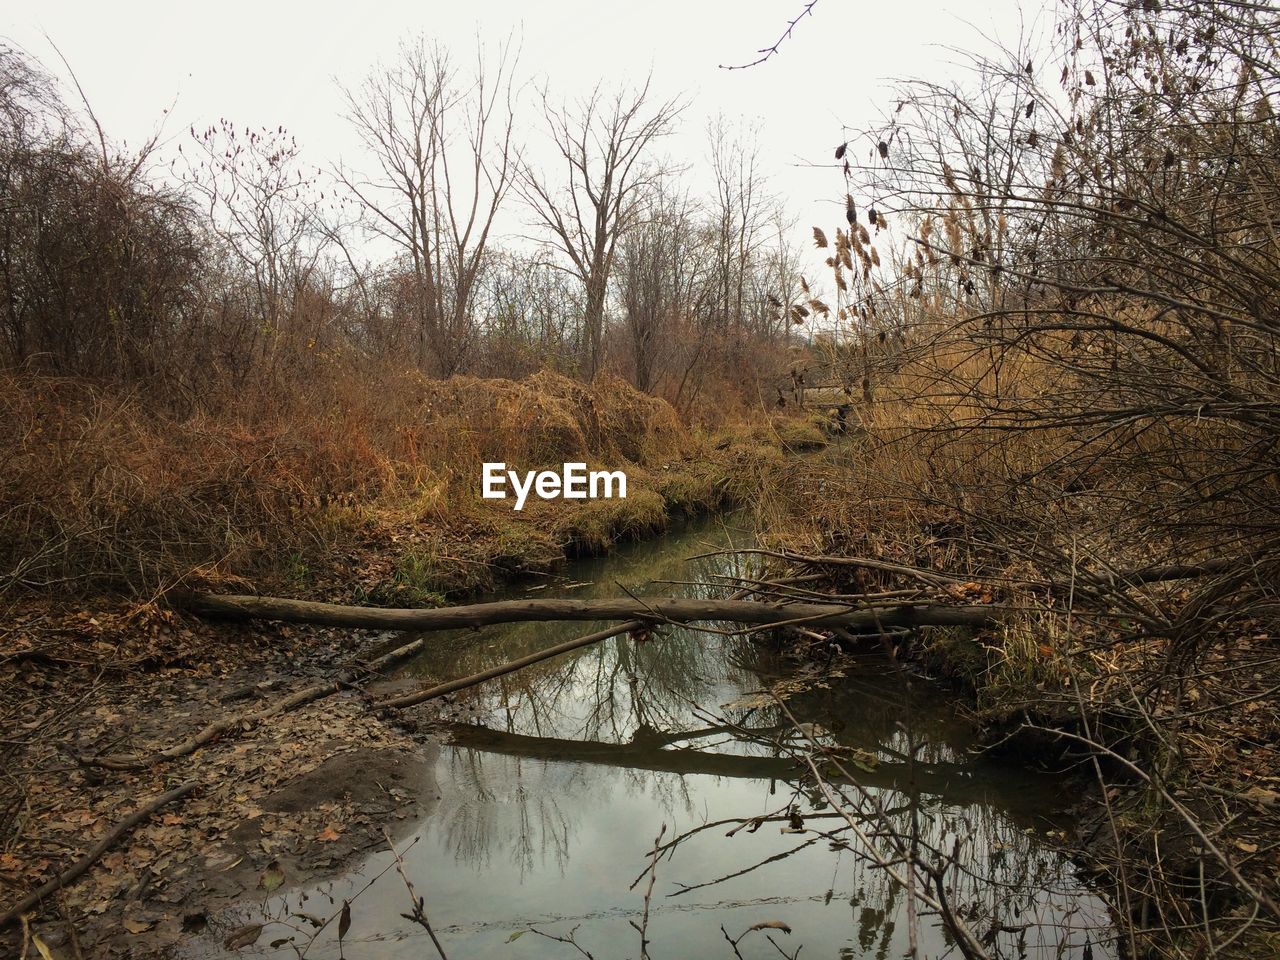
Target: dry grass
102,490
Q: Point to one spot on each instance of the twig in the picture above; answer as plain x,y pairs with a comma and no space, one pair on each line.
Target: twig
462,683
419,913
643,928
569,940
767,52
82,865
246,721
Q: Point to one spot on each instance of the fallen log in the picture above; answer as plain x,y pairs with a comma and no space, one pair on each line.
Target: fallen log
74,872
657,609
462,683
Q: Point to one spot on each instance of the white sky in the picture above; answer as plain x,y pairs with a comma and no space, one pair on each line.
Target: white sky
267,64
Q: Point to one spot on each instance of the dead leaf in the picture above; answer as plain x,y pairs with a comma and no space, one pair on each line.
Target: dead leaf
137,926
1261,795
772,925
272,878
1246,846
244,937
344,922
328,834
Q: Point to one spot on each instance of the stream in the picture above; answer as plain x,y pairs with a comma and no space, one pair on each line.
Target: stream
554,782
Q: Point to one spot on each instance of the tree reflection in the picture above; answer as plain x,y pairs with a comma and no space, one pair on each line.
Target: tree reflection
537,755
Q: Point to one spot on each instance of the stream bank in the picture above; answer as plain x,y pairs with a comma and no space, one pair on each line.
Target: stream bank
554,781
1147,674
91,675
289,803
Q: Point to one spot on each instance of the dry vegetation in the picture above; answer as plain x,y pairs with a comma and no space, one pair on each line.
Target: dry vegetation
203,376
105,492
1066,350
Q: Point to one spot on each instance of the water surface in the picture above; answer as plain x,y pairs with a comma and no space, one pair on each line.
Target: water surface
557,780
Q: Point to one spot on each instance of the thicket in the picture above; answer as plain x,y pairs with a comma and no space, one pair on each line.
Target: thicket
1062,281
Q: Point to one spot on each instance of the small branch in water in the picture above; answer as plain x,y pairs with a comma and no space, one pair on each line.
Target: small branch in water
569,940
643,927
419,914
452,686
766,925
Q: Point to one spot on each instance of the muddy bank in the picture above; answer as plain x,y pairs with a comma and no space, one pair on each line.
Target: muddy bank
284,802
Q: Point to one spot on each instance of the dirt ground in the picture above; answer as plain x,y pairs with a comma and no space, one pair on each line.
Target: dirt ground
284,801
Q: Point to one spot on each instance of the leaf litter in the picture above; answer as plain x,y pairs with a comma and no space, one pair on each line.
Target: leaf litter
282,803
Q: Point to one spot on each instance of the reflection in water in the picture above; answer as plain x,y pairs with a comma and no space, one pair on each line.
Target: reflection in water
558,779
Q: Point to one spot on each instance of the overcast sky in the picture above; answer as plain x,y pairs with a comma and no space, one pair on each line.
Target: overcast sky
269,64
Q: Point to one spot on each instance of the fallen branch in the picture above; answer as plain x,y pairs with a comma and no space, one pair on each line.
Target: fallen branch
668,609
74,872
1166,572
932,577
421,696
1136,577
247,721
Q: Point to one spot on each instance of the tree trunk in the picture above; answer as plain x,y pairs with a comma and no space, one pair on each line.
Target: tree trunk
657,609
594,319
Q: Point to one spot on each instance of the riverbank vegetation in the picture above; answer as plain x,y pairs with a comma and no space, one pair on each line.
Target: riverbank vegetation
1070,363
221,361
109,493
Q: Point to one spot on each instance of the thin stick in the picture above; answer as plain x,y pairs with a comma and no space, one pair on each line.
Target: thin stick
643,928
247,721
77,869
419,914
421,696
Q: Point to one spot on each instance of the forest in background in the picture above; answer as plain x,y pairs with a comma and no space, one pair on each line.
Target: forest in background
227,259
210,346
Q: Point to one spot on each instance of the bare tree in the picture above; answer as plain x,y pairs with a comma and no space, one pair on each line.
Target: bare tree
446,156
659,280
263,205
740,213
603,143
